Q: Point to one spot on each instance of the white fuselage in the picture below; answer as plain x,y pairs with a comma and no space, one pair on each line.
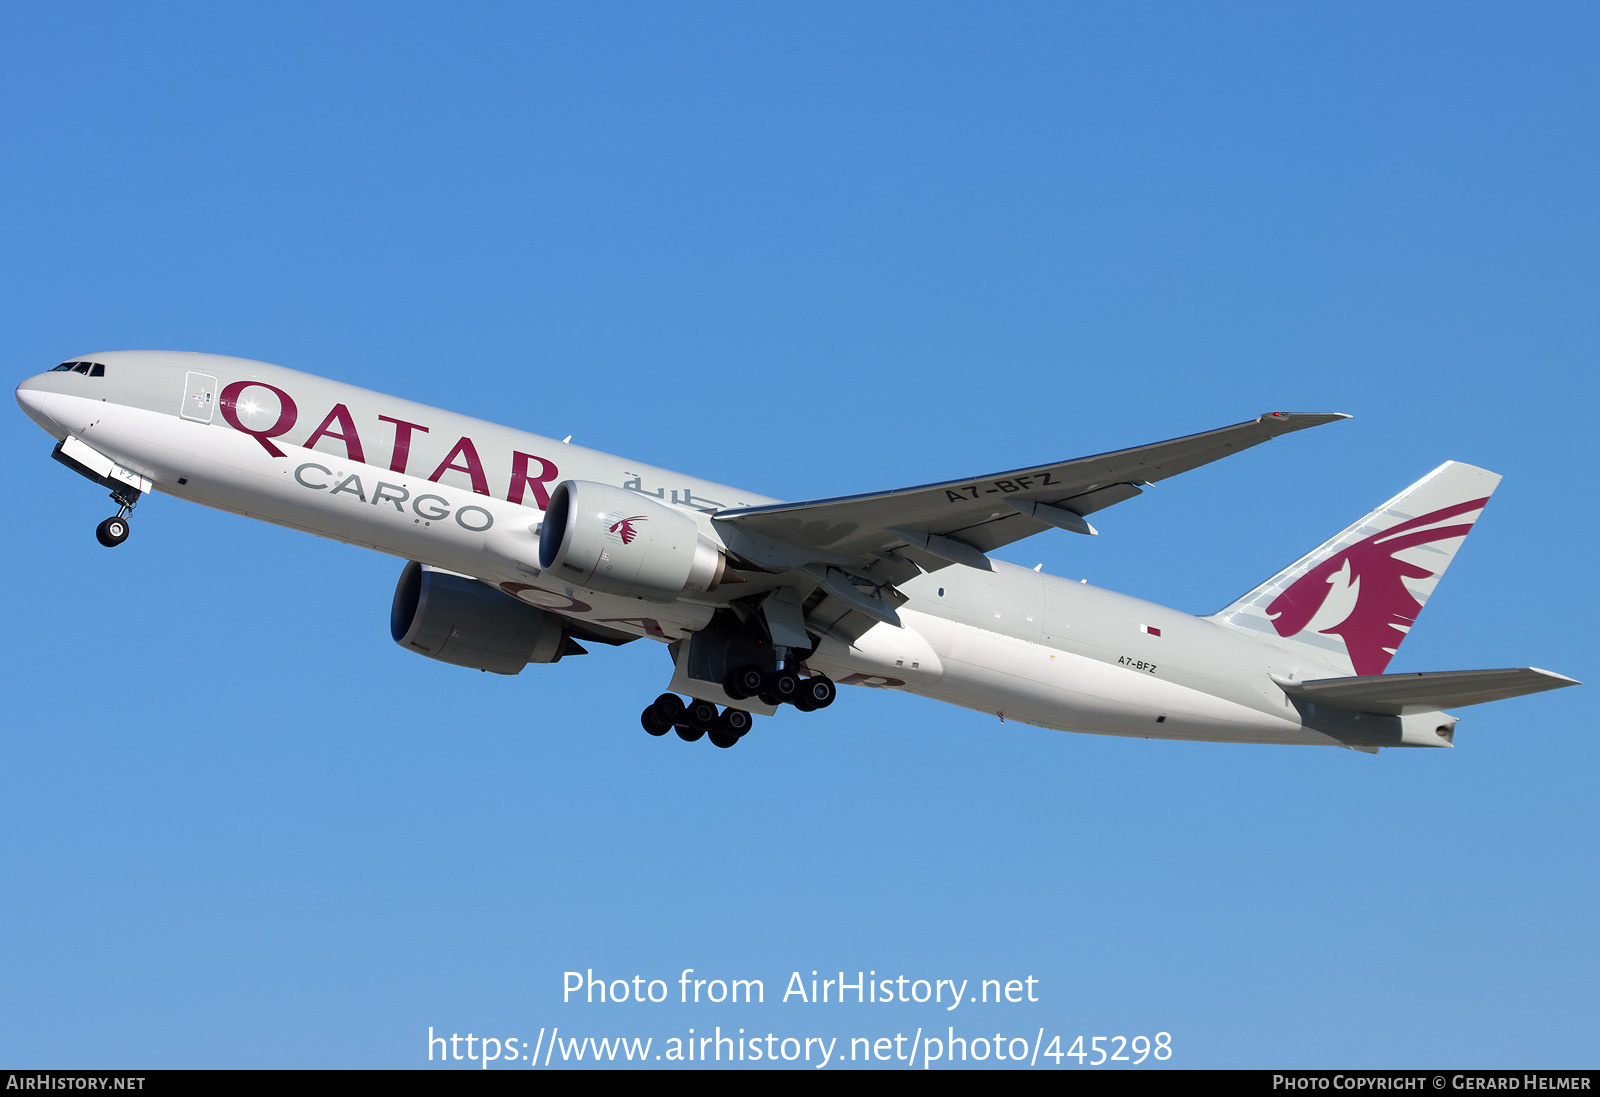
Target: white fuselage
467,496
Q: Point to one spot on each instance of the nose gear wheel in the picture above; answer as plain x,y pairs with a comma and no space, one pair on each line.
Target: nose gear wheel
113,531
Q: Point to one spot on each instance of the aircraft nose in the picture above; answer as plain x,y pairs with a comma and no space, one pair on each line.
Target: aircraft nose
34,397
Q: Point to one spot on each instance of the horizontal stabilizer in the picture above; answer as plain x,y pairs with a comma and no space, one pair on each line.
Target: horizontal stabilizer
1400,694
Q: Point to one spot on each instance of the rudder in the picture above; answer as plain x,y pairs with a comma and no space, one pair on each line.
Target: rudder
1353,599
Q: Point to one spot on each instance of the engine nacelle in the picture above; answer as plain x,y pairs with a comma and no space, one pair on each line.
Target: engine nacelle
615,540
462,621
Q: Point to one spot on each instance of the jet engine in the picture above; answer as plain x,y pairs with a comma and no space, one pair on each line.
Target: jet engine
615,540
458,620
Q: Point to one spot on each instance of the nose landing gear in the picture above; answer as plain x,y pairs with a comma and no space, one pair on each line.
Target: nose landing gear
113,531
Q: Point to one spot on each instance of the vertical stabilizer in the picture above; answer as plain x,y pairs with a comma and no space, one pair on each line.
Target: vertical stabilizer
1355,597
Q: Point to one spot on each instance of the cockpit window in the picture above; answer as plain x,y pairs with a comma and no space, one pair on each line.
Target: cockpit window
96,369
81,367
93,369
64,367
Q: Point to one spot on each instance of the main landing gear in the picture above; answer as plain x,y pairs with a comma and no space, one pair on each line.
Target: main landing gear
113,531
779,687
694,719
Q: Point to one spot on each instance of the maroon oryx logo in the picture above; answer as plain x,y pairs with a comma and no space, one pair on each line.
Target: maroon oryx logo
624,528
1384,607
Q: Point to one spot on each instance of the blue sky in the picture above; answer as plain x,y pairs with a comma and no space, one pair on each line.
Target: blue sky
810,251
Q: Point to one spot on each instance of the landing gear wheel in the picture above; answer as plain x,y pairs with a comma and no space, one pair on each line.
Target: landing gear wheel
782,684
819,691
112,532
668,708
742,682
723,739
689,734
702,714
734,722
653,723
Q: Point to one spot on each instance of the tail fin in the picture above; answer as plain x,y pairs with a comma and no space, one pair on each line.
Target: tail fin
1353,599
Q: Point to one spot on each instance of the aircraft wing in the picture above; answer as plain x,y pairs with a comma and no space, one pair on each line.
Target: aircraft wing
855,548
956,521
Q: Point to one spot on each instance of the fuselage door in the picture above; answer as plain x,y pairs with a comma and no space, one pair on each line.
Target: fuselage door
1063,604
199,397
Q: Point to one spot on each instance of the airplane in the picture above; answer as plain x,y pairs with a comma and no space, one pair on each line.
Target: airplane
521,549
